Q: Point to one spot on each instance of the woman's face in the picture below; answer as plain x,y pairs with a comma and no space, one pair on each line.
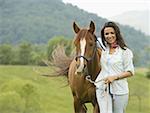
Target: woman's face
110,35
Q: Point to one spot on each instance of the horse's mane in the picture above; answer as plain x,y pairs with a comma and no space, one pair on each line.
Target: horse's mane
60,61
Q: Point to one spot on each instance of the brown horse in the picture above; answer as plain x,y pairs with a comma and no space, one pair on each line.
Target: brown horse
85,63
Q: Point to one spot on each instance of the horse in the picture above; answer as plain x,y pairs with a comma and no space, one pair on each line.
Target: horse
86,62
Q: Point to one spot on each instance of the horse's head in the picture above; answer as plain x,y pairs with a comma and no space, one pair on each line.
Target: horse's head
85,43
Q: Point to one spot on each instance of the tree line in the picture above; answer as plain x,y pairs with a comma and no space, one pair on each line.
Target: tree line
27,53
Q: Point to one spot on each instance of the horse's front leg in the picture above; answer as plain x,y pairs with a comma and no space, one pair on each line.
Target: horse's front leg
78,107
96,108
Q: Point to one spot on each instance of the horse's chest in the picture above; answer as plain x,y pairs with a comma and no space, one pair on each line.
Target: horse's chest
81,86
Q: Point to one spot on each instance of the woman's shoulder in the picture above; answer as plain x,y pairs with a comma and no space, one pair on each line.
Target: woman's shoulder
127,52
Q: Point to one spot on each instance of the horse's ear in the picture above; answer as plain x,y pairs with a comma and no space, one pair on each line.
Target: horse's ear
76,28
92,27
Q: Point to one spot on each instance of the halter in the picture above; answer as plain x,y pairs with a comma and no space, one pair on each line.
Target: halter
88,76
87,59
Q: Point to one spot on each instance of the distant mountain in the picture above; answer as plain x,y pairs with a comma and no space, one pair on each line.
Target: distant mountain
36,21
140,20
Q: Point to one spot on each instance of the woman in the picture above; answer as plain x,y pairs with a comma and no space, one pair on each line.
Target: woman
117,65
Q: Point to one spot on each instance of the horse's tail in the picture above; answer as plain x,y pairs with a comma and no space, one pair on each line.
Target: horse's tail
60,61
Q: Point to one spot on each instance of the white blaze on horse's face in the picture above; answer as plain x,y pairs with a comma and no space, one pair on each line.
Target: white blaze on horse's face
82,48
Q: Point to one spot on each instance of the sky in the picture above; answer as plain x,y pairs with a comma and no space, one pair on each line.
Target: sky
110,8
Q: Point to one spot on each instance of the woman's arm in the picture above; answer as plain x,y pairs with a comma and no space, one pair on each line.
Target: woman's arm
110,79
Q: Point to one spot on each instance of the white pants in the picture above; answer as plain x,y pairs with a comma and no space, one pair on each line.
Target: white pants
109,105
120,103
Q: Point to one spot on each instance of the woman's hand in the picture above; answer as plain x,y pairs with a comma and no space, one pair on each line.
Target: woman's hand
110,79
122,75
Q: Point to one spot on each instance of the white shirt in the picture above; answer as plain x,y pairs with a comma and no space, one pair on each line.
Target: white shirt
114,64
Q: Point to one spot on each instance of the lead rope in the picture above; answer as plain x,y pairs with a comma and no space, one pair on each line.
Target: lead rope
106,91
88,78
107,94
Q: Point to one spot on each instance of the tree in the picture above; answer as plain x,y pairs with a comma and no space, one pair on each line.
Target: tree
6,54
53,42
25,53
38,54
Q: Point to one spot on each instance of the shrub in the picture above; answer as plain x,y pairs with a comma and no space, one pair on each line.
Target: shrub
148,73
19,96
11,102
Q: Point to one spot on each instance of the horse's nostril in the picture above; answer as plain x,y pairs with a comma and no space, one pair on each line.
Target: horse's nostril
84,65
76,58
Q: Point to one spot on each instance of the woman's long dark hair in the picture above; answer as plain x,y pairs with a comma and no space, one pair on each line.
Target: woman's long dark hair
119,38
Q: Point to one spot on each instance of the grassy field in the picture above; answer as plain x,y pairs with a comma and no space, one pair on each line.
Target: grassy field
22,90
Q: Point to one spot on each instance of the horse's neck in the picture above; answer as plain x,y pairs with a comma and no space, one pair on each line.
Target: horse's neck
94,67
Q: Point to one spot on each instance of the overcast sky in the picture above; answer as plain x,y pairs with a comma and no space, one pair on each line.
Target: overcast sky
110,8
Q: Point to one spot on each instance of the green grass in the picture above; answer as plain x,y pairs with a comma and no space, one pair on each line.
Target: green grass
22,90
139,85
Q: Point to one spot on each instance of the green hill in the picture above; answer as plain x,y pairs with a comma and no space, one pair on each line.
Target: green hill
23,91
37,21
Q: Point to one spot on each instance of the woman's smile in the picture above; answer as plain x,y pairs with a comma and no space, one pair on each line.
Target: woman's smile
110,35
